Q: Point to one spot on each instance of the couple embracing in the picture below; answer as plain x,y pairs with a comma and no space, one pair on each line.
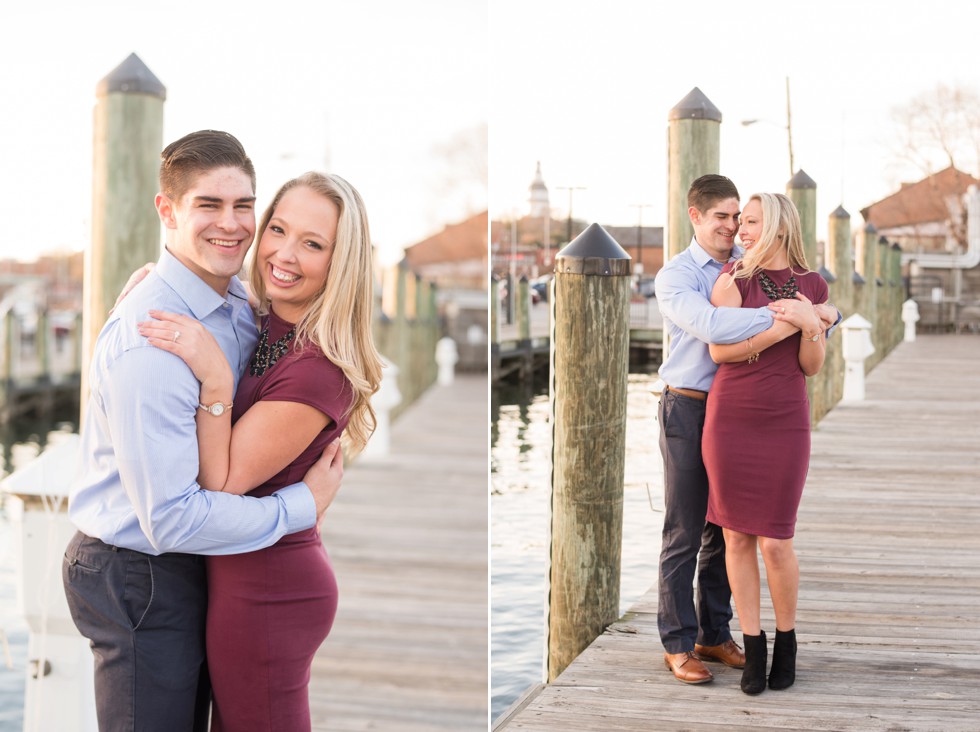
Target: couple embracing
747,325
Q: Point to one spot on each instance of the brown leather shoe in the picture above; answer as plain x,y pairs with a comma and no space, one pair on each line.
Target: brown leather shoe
687,667
728,653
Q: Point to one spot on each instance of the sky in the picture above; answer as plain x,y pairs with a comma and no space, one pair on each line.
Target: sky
586,89
374,90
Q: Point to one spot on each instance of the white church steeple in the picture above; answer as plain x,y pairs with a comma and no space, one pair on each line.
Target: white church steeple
538,198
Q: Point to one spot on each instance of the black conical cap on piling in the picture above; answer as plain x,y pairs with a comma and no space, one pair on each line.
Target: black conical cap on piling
695,106
593,252
870,228
801,181
131,77
840,213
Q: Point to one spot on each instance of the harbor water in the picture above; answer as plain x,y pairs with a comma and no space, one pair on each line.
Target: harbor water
520,467
21,441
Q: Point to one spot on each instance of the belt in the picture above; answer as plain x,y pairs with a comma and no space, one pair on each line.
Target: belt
689,393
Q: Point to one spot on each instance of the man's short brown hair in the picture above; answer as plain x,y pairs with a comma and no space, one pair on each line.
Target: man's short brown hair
181,162
708,190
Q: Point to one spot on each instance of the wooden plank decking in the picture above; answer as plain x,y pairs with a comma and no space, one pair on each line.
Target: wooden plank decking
407,536
889,616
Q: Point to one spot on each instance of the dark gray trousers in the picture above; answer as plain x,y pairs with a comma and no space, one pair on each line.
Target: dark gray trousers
687,534
144,617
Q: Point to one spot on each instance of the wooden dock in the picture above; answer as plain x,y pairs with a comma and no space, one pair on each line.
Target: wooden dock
889,547
407,536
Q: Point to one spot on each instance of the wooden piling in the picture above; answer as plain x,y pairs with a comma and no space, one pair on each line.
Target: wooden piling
590,342
693,150
523,308
128,137
802,191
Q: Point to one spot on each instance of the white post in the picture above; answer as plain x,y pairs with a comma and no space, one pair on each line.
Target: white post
910,316
446,358
60,691
384,400
857,346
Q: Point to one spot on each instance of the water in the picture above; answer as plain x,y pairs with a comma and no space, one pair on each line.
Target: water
21,441
520,468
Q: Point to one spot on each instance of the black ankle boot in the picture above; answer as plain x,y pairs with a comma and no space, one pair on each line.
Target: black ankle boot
783,672
754,674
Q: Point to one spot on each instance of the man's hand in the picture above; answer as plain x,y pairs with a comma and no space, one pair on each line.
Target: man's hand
324,476
827,314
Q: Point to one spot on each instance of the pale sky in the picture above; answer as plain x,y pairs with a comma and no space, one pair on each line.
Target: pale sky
369,90
586,88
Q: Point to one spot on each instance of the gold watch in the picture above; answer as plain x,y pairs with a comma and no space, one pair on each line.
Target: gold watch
216,409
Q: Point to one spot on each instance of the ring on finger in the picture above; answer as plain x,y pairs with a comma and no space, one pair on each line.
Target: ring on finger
176,335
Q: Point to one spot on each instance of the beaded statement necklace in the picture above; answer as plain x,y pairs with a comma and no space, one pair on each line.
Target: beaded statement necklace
265,355
785,292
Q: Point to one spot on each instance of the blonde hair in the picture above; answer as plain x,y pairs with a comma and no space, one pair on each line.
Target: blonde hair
781,232
338,318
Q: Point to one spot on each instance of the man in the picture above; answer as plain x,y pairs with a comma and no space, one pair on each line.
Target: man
133,573
683,289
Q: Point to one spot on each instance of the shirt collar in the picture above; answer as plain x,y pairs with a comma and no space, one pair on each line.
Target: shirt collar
201,299
702,258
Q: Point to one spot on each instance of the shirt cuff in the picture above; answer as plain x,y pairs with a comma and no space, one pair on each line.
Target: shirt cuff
300,507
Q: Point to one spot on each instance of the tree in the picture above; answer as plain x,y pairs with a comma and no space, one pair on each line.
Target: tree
937,129
940,128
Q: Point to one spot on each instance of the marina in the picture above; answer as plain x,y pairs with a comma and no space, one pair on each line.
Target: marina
888,626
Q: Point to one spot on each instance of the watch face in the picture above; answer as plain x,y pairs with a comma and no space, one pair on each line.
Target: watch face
217,409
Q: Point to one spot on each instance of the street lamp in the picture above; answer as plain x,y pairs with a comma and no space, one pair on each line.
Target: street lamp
570,190
638,268
788,128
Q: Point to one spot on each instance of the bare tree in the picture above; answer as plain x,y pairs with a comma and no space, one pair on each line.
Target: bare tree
940,128
937,129
461,170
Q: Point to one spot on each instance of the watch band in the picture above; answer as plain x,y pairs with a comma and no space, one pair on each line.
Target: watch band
216,409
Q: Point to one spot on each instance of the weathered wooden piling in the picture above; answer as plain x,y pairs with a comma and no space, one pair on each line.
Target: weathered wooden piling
839,261
867,296
693,150
494,310
523,306
590,342
802,191
128,137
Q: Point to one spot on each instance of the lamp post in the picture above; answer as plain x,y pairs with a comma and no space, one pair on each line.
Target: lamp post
570,190
638,266
788,128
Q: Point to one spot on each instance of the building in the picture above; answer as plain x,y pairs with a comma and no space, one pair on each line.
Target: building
538,203
926,217
456,261
936,222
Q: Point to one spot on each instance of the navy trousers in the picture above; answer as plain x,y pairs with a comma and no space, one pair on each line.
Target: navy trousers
687,535
145,618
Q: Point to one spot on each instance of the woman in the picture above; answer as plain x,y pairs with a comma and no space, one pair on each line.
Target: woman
758,401
309,381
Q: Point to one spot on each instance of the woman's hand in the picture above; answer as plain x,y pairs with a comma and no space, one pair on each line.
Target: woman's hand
799,312
134,279
191,341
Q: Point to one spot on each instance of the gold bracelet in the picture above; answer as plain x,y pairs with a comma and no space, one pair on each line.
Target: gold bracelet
753,356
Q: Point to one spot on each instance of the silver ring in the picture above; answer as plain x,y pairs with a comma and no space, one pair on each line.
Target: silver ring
176,335
782,310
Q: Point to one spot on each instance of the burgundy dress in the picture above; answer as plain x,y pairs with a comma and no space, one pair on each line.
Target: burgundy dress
269,610
756,442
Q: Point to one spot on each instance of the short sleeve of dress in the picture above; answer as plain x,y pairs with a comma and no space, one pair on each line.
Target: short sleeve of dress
816,288
310,378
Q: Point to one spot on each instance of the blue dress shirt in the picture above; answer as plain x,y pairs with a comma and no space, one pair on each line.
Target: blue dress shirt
683,288
136,485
